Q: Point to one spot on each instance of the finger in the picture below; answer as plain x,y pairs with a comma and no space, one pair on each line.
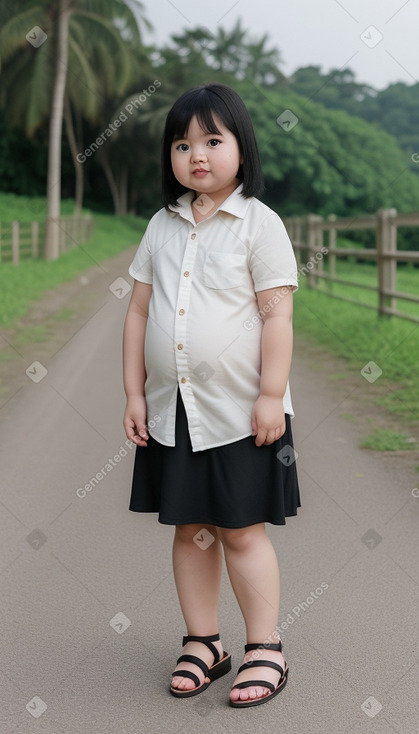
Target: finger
261,437
270,437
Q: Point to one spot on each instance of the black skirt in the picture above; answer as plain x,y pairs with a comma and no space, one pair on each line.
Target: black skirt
230,486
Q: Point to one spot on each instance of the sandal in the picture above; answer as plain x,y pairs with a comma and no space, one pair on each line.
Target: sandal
219,667
266,684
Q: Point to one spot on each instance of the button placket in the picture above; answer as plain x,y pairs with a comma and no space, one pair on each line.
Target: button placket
182,307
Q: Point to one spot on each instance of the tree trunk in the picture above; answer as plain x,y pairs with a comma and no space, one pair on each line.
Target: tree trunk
78,167
123,190
55,132
104,160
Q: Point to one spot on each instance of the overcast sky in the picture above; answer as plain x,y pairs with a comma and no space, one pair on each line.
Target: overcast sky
377,39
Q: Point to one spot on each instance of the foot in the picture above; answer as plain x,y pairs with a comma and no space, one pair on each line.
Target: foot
261,673
200,650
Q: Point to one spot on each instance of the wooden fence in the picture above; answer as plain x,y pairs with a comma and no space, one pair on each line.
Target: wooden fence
27,240
312,247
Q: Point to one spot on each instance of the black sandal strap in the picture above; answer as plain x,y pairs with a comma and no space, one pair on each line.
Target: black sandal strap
187,674
206,641
249,683
264,646
193,659
262,664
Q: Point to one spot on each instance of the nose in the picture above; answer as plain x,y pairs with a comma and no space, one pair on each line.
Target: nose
198,155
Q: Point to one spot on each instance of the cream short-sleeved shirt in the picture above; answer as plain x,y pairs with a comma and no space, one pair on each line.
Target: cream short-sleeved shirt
204,327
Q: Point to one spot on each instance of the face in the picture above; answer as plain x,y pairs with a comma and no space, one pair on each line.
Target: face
205,162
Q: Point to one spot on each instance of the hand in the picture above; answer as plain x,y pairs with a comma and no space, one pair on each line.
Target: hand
135,423
268,420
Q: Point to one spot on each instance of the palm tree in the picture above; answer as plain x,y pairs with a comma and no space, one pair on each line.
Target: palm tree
85,54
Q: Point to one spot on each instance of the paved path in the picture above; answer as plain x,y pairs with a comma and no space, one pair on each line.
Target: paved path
90,621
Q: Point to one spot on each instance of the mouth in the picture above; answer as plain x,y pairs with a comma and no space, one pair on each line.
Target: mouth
200,171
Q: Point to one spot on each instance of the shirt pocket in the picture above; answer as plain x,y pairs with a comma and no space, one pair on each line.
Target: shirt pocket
224,270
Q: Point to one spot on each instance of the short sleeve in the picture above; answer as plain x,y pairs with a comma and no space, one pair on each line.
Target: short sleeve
272,261
141,267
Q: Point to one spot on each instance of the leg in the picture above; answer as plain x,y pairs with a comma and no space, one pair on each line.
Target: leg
253,570
197,575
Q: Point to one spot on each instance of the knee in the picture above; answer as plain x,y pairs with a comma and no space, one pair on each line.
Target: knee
240,539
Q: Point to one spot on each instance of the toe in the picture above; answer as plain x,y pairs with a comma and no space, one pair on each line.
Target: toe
182,684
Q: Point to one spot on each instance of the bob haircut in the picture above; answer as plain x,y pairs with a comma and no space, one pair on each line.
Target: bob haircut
205,102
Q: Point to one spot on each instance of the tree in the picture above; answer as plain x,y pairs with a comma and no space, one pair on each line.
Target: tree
86,43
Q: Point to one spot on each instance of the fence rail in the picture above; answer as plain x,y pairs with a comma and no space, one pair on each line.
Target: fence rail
312,246
20,241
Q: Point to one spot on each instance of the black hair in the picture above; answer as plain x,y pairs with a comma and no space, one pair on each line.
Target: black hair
205,102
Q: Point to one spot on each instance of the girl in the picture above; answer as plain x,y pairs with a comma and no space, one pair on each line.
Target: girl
207,354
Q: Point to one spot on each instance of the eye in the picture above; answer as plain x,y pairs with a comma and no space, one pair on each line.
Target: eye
183,147
214,142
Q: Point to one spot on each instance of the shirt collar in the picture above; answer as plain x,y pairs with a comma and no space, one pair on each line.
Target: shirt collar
235,204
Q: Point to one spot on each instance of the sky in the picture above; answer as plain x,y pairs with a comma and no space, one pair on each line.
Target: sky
377,39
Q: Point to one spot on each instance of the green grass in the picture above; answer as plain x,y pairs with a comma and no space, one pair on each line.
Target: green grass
382,439
360,335
28,281
28,208
407,280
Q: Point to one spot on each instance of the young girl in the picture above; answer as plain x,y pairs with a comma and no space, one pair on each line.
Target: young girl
207,355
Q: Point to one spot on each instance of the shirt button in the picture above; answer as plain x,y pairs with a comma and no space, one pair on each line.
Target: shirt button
186,273
183,379
180,346
181,311
193,236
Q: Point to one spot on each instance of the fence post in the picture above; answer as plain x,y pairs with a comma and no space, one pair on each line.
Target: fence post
314,242
15,242
386,241
35,239
332,256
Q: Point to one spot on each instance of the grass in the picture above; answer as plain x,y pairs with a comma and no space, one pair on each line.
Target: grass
360,335
22,284
382,439
407,279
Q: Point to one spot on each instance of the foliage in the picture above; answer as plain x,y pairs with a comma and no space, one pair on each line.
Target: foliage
394,109
332,161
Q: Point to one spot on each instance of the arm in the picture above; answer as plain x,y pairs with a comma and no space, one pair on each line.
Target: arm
268,419
135,417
